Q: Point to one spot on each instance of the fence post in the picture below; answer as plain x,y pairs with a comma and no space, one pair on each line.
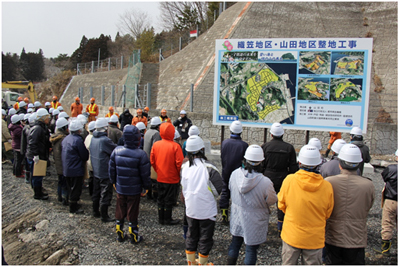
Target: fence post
91,92
92,66
122,62
135,98
220,9
139,52
148,100
124,95
215,15
180,43
109,64
191,97
77,69
102,95
112,95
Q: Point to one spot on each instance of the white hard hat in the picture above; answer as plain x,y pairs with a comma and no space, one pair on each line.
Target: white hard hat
350,153
396,153
75,125
12,111
29,110
41,112
61,122
236,127
155,121
277,129
30,105
254,153
82,118
140,125
356,131
15,118
183,112
47,104
55,112
337,145
315,142
51,110
176,135
193,130
194,143
3,112
21,117
101,122
114,118
309,156
60,108
37,104
22,104
33,117
92,125
63,115
26,116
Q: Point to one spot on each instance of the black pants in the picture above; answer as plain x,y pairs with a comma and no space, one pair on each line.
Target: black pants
167,194
17,165
102,191
127,207
225,194
199,236
90,182
74,188
344,256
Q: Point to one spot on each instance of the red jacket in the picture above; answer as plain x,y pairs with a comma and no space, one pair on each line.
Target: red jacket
166,156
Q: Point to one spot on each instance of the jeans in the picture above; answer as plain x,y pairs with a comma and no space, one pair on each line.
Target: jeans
251,251
36,180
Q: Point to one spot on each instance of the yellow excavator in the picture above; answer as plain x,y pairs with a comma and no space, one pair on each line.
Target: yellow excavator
11,97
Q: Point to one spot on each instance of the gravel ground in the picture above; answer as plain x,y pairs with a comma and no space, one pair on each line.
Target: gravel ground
44,232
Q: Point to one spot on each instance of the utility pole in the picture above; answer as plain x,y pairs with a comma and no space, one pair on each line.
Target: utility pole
98,60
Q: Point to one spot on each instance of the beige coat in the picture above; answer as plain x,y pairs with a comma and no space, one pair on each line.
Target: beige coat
5,133
88,140
354,196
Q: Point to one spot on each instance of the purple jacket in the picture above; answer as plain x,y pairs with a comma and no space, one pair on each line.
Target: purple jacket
16,131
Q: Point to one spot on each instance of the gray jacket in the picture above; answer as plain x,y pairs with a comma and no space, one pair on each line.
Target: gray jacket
114,133
100,149
252,194
150,137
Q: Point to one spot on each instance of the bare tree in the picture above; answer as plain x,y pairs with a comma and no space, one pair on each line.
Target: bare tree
134,22
170,11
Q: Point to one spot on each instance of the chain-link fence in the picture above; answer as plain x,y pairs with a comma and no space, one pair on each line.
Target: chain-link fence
102,65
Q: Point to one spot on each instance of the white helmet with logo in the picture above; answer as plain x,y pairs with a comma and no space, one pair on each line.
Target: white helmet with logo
315,142
350,153
309,156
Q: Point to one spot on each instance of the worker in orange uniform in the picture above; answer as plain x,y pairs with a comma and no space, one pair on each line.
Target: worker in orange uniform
76,107
55,104
139,118
111,112
334,136
146,113
164,117
16,105
26,100
93,110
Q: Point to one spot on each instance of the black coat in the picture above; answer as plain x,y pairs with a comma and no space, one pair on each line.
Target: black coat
389,176
124,119
183,125
38,141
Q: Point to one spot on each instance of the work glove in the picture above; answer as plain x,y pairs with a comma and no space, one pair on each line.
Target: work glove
144,192
180,118
36,159
10,141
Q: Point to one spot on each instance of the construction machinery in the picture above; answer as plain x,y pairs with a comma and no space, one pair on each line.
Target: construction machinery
17,88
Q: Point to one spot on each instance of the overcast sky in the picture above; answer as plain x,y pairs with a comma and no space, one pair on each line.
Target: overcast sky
58,27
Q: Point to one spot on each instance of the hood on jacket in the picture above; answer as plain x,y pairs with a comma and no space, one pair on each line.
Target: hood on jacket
57,136
131,136
126,112
309,181
167,131
97,134
358,143
249,181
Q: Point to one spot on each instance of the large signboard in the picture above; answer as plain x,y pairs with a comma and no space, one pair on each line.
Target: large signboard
319,84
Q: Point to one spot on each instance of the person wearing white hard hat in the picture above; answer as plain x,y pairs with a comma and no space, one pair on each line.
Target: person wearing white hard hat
113,132
61,131
193,130
24,145
201,185
252,193
50,110
6,137
38,149
389,207
37,105
317,143
280,160
22,108
30,105
334,136
74,156
63,114
48,107
142,128
232,153
16,131
52,126
60,108
307,201
100,149
88,139
183,124
11,112
83,119
356,138
331,167
346,229
177,138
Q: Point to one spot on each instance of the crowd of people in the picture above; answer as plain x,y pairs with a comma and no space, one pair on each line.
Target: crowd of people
322,200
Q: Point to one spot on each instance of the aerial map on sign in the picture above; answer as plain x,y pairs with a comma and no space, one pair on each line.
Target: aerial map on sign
346,90
348,63
314,62
313,89
256,91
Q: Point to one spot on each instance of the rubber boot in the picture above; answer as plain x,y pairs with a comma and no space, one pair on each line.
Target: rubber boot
38,193
191,257
160,215
185,229
168,217
119,230
44,192
96,212
59,193
203,260
150,194
74,208
280,224
104,214
27,175
225,219
134,233
231,261
384,248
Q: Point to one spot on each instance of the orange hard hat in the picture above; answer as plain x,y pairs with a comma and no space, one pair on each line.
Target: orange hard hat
55,98
26,100
163,111
146,109
77,99
111,108
139,110
92,99
19,99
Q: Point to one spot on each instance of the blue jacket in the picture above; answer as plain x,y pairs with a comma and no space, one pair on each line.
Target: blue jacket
101,148
73,155
129,167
